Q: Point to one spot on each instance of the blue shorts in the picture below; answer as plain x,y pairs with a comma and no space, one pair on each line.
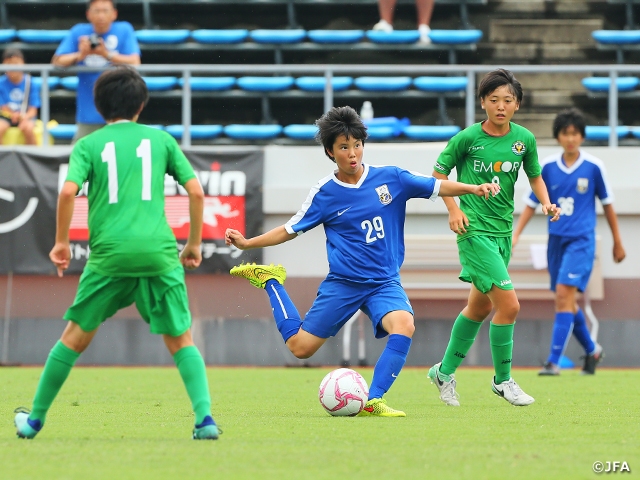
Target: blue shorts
338,299
570,260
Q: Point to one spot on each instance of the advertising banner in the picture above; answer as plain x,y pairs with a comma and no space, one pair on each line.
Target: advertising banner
30,179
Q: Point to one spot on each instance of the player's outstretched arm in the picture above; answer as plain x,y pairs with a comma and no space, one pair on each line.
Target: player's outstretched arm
60,254
612,219
191,257
540,190
450,188
525,216
273,237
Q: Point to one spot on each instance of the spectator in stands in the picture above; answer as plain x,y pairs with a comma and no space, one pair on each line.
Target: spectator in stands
576,179
424,11
99,43
19,99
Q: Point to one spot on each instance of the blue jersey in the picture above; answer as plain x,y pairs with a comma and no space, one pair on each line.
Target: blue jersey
12,94
574,189
120,39
364,223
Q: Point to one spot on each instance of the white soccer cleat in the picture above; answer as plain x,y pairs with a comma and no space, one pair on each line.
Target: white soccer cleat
511,392
447,388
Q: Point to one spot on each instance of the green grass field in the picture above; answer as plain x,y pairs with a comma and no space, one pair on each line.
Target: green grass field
135,423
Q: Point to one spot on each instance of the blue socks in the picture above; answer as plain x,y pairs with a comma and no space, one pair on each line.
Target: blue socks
561,332
582,334
284,311
389,365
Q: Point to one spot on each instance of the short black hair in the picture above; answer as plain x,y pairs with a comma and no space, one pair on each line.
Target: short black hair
12,52
339,121
91,2
498,78
567,118
119,92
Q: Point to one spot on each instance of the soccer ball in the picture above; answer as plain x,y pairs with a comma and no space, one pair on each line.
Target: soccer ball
343,392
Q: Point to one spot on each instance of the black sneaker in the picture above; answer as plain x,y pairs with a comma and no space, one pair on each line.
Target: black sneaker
549,369
590,361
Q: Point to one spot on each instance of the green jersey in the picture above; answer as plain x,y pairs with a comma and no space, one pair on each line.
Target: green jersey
125,164
481,158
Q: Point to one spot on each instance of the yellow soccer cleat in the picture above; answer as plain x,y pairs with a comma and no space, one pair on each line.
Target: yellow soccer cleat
377,407
259,275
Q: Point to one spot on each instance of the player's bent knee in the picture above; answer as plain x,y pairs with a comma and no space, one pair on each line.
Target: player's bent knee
406,328
302,346
301,351
510,309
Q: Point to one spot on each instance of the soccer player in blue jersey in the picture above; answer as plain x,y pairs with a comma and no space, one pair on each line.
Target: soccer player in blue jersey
575,179
362,208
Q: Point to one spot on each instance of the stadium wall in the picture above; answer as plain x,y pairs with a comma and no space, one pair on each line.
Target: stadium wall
232,323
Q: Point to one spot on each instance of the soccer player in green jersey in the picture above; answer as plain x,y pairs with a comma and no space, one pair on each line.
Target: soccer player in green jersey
490,151
133,250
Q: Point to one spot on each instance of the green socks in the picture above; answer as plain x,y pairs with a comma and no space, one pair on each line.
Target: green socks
463,334
501,340
56,370
194,375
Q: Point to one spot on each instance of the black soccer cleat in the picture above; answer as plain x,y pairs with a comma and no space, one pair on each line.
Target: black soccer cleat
591,361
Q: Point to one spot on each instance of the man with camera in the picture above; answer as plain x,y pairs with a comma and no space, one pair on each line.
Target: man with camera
99,43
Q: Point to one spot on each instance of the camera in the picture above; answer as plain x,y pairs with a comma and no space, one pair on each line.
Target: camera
94,39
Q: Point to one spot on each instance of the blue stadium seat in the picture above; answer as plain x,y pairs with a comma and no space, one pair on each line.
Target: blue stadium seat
69,83
455,37
440,84
335,36
635,132
300,132
428,133
159,84
598,133
42,36
63,132
220,36
265,84
397,36
278,36
252,132
601,84
53,82
316,84
382,132
163,36
616,37
394,122
198,132
209,84
383,84
7,35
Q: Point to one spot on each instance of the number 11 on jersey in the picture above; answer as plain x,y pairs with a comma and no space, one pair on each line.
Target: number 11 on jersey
109,157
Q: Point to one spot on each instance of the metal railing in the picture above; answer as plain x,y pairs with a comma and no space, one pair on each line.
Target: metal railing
186,71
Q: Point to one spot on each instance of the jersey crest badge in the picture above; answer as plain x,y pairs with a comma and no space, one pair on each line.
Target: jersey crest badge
518,148
384,195
583,185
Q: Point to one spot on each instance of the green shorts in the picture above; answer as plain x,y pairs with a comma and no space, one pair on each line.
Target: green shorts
484,262
161,300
